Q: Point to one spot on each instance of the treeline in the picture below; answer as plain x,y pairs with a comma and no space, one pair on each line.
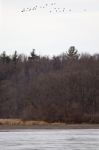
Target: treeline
64,88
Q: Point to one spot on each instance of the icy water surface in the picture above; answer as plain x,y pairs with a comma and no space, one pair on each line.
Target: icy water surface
50,139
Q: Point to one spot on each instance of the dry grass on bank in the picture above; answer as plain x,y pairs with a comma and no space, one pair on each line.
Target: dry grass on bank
20,122
24,124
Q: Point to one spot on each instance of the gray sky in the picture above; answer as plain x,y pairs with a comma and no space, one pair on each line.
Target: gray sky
50,33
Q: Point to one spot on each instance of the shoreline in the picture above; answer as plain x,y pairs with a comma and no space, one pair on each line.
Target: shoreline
50,126
32,124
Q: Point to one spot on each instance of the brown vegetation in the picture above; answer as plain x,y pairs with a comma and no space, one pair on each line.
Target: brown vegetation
20,122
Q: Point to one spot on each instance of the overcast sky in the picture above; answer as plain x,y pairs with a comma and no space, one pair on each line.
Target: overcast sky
48,31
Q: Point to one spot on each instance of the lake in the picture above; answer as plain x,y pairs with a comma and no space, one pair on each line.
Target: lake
49,139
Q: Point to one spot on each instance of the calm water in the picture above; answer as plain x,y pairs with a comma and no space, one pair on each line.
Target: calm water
85,139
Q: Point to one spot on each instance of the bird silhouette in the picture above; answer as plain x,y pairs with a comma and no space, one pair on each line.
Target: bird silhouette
46,4
69,9
85,10
50,7
23,10
30,9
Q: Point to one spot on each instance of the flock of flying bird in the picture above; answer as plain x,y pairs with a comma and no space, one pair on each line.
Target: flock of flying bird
51,7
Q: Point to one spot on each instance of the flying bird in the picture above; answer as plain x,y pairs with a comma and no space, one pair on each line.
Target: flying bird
50,7
46,4
23,10
85,10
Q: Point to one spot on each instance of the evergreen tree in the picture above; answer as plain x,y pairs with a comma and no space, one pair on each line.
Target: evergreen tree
4,58
72,53
33,55
15,57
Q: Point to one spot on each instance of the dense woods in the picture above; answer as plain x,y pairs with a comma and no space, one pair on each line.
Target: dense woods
63,88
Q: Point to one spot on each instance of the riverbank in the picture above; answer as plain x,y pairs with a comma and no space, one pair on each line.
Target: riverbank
50,126
22,124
